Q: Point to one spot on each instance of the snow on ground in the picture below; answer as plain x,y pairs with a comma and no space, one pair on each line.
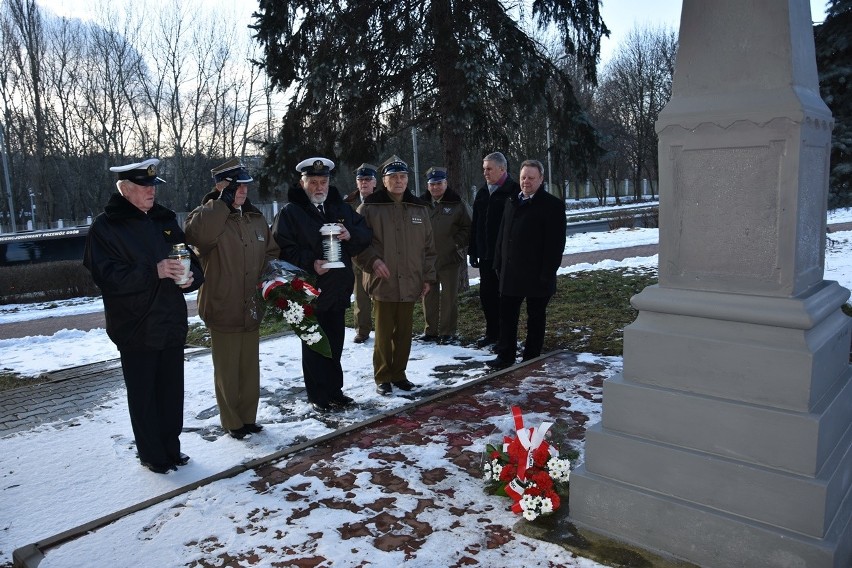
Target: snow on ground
57,476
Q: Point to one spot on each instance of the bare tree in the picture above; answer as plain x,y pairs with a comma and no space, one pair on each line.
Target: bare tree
634,87
135,81
26,21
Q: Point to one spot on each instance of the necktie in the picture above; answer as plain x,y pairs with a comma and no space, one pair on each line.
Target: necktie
321,210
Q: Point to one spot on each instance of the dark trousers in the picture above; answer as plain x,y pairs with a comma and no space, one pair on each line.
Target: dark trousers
154,381
324,376
489,296
510,312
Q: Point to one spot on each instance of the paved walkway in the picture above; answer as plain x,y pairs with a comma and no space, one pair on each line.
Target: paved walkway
454,424
71,393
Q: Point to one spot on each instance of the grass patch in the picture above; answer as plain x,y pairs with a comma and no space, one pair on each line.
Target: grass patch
587,314
9,381
199,336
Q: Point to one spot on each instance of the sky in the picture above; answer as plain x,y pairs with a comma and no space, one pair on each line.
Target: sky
60,475
620,16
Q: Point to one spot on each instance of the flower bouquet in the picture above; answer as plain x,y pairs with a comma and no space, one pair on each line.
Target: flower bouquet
527,469
288,296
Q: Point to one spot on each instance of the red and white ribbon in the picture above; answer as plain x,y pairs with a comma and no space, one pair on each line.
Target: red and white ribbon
530,439
270,285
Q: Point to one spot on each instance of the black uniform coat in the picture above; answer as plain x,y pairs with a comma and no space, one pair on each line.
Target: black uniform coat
530,245
485,222
123,247
296,230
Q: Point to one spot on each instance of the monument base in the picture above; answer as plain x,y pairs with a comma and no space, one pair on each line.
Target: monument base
698,534
727,441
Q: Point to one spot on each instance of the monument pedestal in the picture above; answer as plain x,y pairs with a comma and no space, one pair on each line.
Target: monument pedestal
727,440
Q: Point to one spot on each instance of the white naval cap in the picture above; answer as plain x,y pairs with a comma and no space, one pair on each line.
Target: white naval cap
140,173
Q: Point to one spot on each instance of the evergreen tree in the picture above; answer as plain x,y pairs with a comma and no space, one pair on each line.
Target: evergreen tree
833,42
362,71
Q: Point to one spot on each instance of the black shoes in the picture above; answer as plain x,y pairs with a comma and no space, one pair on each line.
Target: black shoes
386,389
499,363
485,341
405,385
341,401
427,338
159,468
361,338
246,429
335,402
448,340
182,459
239,433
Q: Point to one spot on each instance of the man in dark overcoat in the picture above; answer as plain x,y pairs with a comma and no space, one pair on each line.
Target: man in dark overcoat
296,229
528,254
127,252
488,207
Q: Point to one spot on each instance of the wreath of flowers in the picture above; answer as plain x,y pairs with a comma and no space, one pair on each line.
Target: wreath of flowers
527,469
288,296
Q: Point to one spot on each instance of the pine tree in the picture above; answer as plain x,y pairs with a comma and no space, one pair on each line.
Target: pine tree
833,42
362,71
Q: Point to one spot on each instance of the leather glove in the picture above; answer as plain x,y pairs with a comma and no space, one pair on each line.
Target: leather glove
474,262
228,194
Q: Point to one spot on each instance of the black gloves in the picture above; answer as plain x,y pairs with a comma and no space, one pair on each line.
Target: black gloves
228,194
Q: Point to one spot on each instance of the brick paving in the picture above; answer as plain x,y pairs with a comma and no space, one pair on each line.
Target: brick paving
69,394
457,423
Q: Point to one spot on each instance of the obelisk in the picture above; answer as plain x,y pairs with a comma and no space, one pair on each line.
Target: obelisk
727,439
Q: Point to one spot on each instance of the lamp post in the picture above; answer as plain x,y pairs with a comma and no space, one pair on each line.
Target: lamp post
32,207
8,185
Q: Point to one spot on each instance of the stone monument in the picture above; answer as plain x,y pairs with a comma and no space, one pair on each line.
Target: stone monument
727,439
